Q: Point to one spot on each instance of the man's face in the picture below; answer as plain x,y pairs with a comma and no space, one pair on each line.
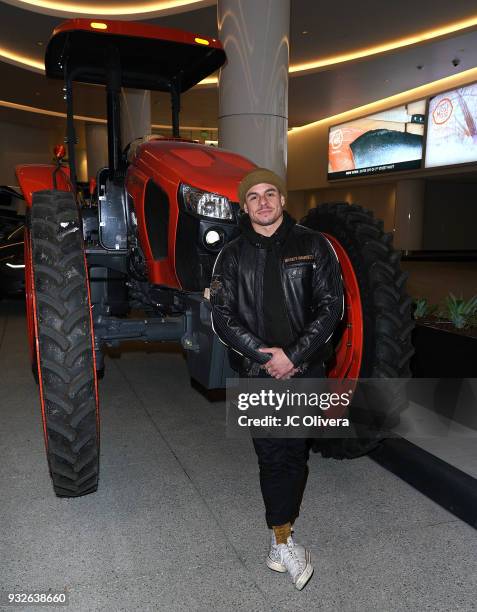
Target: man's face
264,204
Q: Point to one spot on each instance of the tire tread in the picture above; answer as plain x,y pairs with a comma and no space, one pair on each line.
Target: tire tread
386,308
65,343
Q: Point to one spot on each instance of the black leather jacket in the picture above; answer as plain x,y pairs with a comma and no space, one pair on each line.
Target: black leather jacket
313,290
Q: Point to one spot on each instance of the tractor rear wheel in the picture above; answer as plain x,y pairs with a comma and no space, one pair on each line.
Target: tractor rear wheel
63,328
377,325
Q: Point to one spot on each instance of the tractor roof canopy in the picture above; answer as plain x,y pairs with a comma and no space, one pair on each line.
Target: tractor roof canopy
150,57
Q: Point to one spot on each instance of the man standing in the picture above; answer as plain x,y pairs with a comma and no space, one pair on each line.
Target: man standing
277,297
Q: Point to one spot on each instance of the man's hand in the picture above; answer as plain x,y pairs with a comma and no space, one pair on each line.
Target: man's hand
279,366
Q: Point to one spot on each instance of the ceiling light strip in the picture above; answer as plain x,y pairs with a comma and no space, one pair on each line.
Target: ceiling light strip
455,80
393,45
423,90
73,9
304,67
44,111
21,60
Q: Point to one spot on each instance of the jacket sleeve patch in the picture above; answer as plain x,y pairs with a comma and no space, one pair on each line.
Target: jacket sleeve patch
215,286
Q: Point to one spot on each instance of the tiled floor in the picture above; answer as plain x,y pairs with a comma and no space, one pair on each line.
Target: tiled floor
177,522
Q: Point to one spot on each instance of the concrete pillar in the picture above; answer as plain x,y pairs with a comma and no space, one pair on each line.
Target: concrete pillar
135,114
96,147
408,214
135,123
253,85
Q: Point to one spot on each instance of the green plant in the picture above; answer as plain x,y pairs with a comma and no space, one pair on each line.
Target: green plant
422,308
473,319
460,312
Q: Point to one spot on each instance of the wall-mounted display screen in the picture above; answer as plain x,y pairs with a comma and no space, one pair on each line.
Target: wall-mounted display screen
451,131
384,142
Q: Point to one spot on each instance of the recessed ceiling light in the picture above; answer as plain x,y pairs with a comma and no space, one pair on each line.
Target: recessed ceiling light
305,32
39,43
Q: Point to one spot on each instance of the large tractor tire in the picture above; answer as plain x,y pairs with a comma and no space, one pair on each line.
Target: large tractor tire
60,325
375,334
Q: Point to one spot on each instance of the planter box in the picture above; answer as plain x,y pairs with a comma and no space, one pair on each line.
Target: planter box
443,354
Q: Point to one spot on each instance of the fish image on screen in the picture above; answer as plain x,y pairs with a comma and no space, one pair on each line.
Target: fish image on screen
384,142
451,131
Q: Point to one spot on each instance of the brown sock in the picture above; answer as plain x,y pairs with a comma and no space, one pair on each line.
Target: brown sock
282,533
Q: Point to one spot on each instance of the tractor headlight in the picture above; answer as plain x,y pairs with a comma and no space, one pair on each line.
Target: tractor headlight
206,204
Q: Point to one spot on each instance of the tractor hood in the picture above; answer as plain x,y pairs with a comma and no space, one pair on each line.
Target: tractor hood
208,168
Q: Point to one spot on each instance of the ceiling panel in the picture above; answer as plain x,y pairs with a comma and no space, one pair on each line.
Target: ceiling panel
327,93
337,27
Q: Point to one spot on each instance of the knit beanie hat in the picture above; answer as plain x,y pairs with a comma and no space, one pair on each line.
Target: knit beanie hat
260,175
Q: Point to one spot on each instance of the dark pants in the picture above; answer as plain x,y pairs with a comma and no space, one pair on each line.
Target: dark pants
283,473
283,469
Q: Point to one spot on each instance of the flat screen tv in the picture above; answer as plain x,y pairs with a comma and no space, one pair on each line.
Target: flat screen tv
384,142
451,136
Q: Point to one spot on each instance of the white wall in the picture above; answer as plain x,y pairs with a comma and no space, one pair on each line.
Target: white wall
33,143
22,144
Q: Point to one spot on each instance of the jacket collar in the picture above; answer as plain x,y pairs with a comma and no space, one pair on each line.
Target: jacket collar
266,242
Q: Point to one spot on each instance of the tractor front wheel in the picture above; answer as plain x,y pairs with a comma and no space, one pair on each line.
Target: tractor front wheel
62,331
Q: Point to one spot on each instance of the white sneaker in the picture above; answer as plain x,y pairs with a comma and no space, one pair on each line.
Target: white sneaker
274,559
295,559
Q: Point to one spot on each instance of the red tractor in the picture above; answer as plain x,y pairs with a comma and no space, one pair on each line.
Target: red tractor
147,241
